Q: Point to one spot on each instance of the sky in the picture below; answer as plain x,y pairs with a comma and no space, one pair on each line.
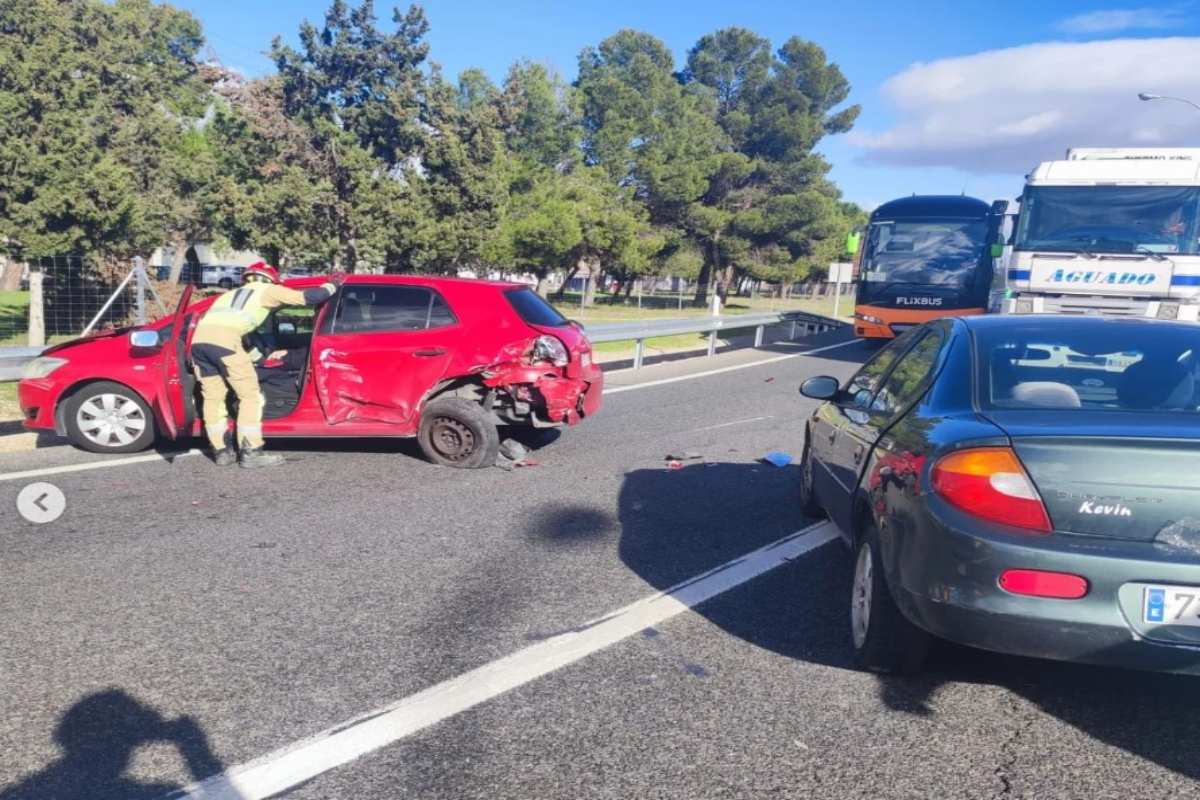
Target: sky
957,97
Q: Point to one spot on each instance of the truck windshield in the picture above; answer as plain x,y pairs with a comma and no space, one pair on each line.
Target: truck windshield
1109,219
926,252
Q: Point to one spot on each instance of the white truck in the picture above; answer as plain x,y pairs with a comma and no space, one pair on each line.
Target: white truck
1110,231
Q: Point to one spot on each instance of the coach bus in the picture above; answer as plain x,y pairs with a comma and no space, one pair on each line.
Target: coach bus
924,257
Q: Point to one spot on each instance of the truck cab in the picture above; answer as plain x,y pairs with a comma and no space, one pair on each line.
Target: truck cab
1109,231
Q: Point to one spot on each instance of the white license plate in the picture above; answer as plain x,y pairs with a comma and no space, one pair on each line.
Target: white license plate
1171,605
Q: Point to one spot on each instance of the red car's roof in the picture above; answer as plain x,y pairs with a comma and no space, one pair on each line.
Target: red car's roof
317,280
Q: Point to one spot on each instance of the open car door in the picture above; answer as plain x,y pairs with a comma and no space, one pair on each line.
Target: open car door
172,406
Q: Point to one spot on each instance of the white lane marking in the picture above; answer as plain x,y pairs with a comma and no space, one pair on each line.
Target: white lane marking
308,758
705,374
729,424
111,462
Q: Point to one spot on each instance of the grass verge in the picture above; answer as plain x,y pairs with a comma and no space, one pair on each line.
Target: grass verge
9,410
14,317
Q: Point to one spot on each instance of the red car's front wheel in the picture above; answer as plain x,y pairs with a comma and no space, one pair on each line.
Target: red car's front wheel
106,417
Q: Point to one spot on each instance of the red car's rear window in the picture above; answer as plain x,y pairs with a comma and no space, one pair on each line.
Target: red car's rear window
533,309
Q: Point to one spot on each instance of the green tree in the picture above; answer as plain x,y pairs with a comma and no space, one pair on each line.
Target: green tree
643,128
358,91
537,113
457,178
769,211
98,105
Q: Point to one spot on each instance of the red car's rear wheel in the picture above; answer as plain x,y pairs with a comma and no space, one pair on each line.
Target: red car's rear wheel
456,432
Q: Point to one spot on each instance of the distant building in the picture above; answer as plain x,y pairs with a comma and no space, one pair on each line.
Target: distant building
204,253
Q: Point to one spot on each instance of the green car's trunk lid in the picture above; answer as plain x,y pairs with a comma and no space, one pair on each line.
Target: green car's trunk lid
1119,475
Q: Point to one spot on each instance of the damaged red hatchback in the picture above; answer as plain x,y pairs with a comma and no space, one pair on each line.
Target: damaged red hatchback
442,359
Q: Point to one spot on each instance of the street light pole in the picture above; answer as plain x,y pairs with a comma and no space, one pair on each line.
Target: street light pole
1147,96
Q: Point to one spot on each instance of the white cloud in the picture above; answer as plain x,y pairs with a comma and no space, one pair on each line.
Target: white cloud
1003,111
1123,19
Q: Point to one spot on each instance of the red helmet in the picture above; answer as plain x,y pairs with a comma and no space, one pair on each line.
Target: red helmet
262,269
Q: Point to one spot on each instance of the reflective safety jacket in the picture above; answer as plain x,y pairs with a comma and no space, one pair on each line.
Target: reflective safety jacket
240,311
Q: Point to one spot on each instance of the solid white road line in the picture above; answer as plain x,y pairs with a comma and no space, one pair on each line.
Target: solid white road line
705,374
110,462
308,758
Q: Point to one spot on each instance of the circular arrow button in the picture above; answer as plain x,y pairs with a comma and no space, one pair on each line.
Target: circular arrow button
41,503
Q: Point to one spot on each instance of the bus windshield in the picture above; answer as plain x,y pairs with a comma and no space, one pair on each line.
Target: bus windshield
1109,219
926,252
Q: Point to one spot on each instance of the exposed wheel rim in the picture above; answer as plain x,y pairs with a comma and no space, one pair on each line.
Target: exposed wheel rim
452,439
110,420
860,598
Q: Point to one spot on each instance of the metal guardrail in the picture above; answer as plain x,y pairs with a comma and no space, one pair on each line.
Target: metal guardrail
13,359
641,330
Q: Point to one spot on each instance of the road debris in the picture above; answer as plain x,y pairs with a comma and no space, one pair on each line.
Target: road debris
686,455
513,454
777,459
673,464
513,450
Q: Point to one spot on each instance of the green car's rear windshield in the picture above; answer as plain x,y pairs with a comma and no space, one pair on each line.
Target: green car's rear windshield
1106,366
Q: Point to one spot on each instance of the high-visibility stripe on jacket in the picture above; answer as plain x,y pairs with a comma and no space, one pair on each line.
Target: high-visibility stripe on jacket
241,311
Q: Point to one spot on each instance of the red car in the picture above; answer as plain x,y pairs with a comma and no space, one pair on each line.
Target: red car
442,359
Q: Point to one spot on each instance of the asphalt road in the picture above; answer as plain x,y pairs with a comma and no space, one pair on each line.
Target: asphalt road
180,621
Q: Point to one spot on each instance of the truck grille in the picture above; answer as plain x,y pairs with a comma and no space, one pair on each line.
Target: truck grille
1105,306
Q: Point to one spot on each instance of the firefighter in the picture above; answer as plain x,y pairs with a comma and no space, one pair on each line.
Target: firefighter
222,363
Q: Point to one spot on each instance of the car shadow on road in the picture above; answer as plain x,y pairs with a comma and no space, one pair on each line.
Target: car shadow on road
676,524
99,736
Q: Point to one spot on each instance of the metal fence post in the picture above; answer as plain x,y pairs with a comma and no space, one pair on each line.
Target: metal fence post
712,342
639,350
792,335
758,335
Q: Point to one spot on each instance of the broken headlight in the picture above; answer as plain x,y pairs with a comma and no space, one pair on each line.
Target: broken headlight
548,348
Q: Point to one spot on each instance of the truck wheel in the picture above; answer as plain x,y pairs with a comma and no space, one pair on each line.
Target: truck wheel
456,432
106,417
225,283
884,640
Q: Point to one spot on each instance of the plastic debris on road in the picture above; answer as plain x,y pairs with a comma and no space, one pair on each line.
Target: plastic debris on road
674,464
513,450
513,454
778,459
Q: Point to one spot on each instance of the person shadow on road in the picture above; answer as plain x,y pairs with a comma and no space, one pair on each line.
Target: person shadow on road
98,736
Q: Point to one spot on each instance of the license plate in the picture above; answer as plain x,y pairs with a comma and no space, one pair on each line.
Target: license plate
1171,605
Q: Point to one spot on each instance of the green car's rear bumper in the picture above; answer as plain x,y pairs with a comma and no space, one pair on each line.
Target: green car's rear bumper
945,570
